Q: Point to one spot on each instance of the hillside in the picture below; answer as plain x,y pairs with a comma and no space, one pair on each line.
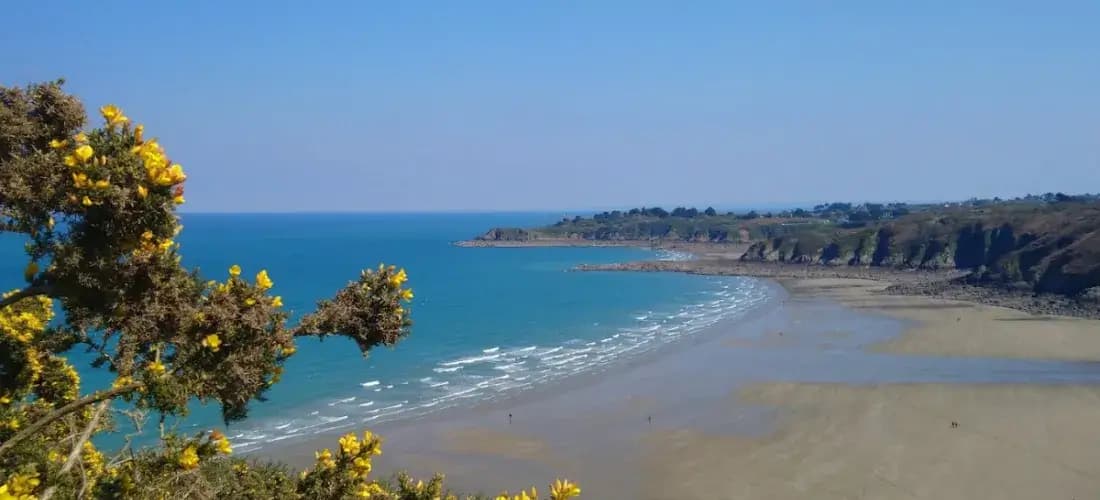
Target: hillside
1045,244
1051,248
690,224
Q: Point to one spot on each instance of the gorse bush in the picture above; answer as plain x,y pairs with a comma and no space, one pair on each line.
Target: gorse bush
97,209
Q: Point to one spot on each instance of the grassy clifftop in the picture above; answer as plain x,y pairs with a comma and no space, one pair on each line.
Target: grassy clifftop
1046,244
1045,247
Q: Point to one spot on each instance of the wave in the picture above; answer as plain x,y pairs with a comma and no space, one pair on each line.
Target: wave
472,359
499,370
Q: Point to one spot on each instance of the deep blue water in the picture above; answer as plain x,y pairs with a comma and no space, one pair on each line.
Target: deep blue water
487,322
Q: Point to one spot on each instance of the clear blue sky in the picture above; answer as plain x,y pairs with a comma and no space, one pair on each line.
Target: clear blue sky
467,105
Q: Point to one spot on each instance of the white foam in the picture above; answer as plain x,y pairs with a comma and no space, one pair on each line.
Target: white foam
284,436
468,377
510,367
472,359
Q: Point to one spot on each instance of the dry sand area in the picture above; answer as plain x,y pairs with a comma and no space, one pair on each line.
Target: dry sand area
818,440
954,328
901,441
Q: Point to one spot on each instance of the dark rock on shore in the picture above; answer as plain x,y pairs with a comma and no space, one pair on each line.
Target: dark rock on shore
945,284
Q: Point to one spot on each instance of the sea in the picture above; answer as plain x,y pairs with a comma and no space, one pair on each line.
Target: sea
488,323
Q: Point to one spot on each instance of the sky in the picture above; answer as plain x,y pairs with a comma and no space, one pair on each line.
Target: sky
506,106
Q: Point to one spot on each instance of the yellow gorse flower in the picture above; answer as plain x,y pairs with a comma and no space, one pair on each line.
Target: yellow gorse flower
324,459
223,446
407,294
30,271
156,368
56,144
523,495
277,301
81,138
142,191
122,381
20,486
157,165
113,115
349,444
212,342
361,466
562,489
189,458
399,278
368,490
234,270
263,281
83,153
221,443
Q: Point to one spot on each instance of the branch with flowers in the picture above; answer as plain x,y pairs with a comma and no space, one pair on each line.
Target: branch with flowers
98,210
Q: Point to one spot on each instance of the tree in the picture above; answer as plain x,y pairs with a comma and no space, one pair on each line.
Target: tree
710,212
98,211
657,212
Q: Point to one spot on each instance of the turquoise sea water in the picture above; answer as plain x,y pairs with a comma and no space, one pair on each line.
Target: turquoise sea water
488,322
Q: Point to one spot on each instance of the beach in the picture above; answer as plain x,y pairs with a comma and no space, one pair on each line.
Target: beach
837,391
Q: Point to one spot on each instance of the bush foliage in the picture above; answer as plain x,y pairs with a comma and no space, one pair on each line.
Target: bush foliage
98,210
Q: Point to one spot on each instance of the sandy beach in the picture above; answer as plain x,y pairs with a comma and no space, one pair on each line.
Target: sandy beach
837,391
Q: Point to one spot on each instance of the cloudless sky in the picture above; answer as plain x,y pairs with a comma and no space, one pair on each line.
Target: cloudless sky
507,105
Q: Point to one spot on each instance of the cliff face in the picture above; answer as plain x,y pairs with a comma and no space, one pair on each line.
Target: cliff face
506,234
1056,250
633,232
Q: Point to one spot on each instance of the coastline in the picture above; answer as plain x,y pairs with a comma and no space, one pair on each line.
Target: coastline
938,284
723,259
793,426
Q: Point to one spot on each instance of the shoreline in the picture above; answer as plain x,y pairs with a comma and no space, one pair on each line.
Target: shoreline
792,426
922,283
723,259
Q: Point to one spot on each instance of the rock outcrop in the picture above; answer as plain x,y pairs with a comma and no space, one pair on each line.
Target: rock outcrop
1056,250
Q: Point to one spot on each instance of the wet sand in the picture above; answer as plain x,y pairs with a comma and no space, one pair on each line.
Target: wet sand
835,392
955,328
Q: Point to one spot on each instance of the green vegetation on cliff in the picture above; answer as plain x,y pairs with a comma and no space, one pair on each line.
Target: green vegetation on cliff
1047,247
1045,243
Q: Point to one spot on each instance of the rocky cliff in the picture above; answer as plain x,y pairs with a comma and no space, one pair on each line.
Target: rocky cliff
1052,248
